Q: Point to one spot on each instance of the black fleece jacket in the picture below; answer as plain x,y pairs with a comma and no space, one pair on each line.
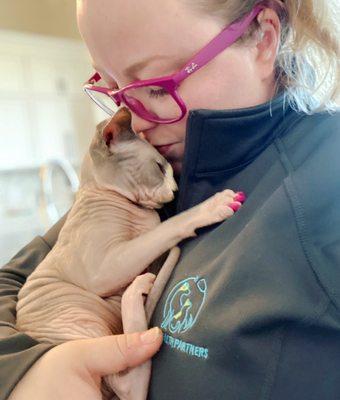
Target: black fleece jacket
252,310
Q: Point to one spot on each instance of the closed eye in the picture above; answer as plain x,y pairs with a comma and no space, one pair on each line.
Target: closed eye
161,168
158,93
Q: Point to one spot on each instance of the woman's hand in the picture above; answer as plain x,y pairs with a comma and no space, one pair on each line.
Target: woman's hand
73,370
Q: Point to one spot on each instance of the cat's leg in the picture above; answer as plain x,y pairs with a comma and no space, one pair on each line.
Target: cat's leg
133,384
128,259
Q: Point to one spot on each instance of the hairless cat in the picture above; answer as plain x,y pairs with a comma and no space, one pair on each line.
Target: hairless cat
93,282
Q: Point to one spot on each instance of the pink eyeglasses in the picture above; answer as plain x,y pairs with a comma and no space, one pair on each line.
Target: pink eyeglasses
157,100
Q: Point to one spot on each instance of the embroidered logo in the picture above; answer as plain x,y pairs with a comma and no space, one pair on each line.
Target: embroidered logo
184,304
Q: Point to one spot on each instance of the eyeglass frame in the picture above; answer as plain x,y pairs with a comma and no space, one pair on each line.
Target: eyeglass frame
170,83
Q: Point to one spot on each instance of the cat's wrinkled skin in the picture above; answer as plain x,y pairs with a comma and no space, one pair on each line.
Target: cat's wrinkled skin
92,283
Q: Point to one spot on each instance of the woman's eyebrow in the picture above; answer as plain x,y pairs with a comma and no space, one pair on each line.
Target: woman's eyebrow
139,66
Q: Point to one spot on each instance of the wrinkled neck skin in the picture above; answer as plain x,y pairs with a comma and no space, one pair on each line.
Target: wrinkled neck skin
98,221
111,205
88,179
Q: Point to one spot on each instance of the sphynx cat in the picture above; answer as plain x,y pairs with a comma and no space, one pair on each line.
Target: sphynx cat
92,283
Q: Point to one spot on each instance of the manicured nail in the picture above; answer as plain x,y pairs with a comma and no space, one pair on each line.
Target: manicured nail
150,336
234,206
240,197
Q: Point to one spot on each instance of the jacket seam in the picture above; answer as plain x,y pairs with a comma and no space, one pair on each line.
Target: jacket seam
299,215
4,324
44,241
272,374
274,363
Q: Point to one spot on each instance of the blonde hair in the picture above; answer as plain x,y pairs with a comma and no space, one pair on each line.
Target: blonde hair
308,60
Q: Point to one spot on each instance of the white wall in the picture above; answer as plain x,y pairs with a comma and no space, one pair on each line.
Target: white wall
46,17
44,112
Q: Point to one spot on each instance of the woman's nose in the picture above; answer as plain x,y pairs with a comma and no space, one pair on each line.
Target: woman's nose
139,124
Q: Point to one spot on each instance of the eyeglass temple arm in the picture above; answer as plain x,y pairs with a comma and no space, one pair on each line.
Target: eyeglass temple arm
226,38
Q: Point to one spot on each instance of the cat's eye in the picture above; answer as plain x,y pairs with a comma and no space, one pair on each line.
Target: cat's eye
161,168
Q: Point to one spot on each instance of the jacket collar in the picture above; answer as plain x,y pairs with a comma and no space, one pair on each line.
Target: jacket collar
220,143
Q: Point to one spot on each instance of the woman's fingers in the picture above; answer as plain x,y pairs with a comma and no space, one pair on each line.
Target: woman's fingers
73,370
112,354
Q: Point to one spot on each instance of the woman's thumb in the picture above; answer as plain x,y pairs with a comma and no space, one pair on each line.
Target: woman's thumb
112,354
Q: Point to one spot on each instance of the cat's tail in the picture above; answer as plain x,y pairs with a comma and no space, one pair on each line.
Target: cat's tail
160,282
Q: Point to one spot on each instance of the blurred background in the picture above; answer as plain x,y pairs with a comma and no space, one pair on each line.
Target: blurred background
46,120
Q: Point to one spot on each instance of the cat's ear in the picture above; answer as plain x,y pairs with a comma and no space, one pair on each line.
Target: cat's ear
118,128
98,148
108,133
111,131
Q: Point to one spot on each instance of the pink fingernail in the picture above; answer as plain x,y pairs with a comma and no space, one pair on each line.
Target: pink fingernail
240,197
234,206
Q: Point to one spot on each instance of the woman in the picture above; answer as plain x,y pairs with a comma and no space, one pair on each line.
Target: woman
251,311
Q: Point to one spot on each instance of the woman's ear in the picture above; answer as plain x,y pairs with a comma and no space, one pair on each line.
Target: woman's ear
268,42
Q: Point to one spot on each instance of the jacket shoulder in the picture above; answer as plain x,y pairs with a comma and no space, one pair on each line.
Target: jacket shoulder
310,153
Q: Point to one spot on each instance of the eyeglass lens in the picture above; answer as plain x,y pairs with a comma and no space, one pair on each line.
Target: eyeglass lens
154,102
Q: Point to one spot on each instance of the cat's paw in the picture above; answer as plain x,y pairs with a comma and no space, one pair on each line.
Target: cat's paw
220,206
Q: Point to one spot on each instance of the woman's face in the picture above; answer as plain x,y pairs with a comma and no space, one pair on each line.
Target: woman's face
120,33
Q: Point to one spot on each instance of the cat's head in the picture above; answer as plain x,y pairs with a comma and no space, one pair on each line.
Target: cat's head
119,160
